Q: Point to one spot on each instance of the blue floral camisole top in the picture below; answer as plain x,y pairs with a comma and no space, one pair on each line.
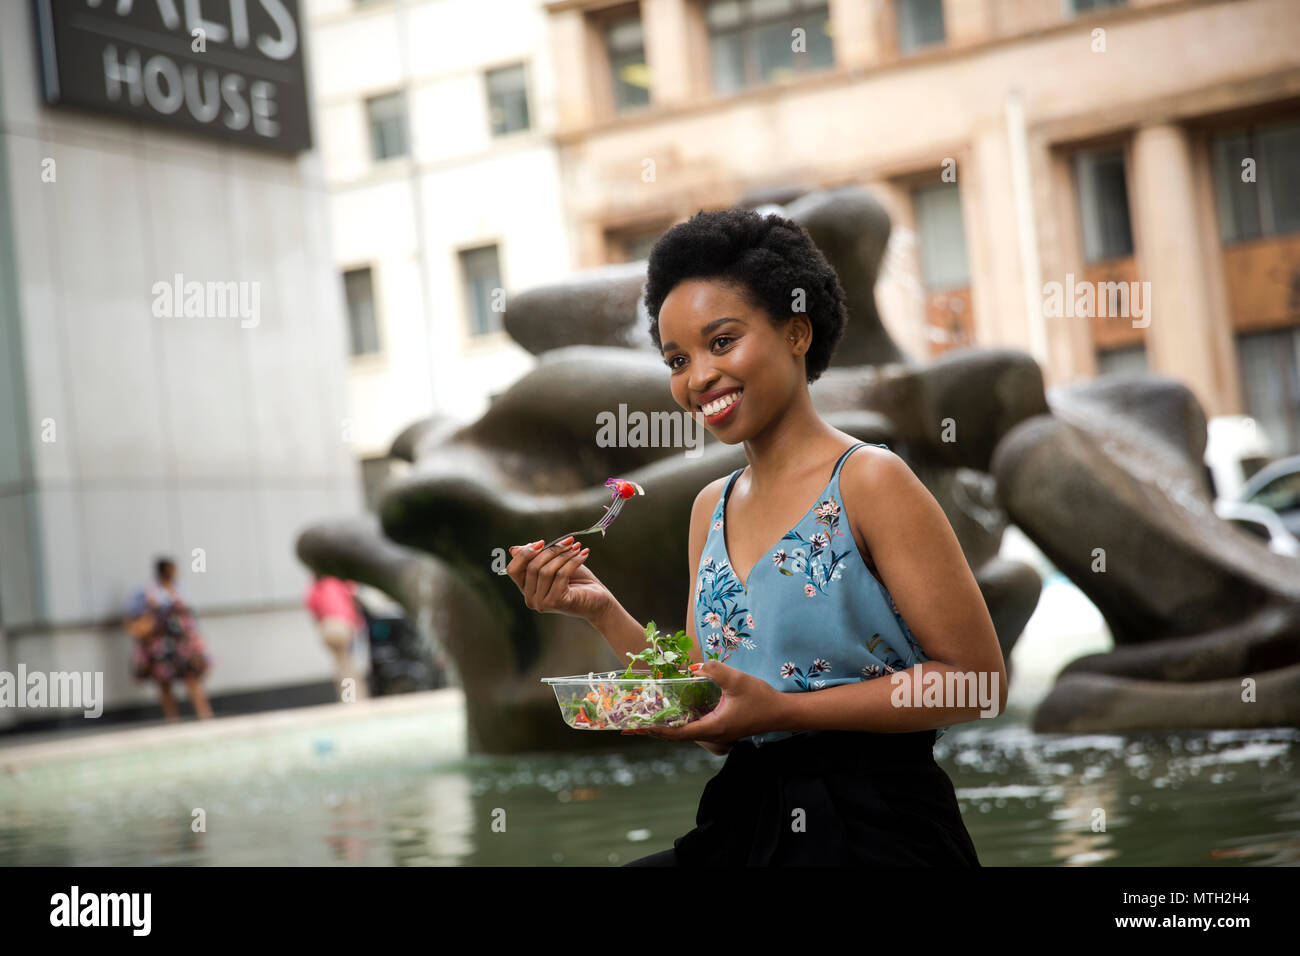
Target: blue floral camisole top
811,614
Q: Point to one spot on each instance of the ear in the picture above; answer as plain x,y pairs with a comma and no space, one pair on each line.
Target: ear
799,332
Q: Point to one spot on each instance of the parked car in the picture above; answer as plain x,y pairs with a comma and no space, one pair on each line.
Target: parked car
1263,523
1277,488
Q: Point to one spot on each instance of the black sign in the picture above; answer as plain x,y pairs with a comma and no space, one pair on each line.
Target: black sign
228,68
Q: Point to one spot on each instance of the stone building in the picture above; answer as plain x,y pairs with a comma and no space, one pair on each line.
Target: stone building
436,123
1106,184
139,417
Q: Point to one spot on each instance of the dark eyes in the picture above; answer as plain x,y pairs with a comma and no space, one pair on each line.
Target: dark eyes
720,338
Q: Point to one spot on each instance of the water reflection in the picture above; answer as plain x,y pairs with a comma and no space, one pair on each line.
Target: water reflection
373,795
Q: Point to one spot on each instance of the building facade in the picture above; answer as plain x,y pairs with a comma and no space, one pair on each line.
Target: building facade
1106,184
137,420
436,120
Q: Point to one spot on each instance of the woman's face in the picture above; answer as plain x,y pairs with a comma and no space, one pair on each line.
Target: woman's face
718,346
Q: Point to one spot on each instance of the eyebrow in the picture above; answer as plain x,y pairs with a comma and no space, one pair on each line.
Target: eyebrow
708,327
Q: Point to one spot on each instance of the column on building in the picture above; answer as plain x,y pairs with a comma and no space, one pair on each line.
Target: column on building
1180,338
997,294
1061,261
967,21
574,83
673,50
857,32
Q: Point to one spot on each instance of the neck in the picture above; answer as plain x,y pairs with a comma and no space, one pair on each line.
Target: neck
783,449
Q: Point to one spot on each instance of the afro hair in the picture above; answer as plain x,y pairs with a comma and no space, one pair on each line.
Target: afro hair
767,258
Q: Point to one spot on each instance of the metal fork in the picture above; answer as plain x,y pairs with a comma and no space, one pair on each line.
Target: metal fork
611,512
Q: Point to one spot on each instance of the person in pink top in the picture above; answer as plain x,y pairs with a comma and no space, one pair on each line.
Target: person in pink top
331,602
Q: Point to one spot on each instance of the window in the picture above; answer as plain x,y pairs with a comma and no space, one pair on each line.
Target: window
1103,205
1131,360
481,273
1280,494
387,116
363,331
375,472
1088,6
636,248
942,237
945,273
1270,377
1270,204
625,47
507,99
920,24
755,41
632,245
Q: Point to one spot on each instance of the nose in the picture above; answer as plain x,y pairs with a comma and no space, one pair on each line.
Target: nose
701,379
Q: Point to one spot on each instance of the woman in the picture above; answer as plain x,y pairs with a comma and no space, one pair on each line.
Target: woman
167,642
811,590
332,602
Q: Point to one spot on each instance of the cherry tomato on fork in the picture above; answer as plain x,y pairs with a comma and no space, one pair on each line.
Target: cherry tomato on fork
625,488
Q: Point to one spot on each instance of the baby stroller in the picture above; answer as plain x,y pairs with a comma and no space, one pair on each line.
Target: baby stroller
399,660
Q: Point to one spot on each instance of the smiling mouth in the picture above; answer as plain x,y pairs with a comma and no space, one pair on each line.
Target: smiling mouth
719,407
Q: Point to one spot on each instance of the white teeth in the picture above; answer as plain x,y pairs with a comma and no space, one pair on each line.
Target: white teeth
714,407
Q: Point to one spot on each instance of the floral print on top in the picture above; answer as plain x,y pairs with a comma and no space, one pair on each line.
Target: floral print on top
822,619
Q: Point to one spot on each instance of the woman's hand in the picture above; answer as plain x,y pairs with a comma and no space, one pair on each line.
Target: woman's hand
141,627
554,581
749,706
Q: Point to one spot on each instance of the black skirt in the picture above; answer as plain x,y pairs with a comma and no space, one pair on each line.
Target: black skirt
827,798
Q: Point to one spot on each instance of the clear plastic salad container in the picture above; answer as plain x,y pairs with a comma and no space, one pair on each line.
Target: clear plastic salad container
609,701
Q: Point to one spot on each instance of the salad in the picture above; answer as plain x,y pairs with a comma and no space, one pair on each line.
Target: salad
661,694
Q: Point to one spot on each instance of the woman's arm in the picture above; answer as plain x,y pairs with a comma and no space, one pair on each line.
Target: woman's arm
921,563
621,630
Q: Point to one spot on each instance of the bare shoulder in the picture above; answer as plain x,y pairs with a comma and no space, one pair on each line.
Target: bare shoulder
878,483
873,467
708,499
893,510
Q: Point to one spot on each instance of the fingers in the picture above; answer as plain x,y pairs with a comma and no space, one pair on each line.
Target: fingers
540,570
522,560
542,574
564,571
552,582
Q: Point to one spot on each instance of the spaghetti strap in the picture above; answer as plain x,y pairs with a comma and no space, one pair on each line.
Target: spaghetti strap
726,492
840,464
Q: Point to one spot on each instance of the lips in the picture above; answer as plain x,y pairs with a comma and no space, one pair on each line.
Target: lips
711,397
727,412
